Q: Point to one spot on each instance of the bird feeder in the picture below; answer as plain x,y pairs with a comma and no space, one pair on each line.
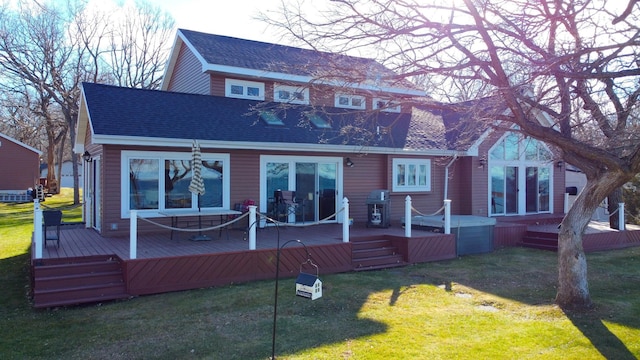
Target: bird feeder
309,285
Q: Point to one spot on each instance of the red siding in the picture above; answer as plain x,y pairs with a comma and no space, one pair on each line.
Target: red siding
20,166
187,75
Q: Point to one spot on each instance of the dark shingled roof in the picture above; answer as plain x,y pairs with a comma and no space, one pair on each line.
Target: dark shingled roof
462,123
249,54
125,112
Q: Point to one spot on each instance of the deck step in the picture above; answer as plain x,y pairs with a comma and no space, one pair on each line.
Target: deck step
372,254
540,240
378,262
78,282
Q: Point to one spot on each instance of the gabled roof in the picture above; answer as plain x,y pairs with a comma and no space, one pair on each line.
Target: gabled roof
230,55
465,124
117,115
8,138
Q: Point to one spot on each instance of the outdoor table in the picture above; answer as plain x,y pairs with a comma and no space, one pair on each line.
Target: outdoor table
177,214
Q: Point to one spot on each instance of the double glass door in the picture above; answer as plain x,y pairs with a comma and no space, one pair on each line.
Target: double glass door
507,183
314,181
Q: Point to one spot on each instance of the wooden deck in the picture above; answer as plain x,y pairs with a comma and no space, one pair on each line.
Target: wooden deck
90,268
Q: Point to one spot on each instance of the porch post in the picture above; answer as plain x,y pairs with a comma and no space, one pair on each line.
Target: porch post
345,220
447,216
252,227
566,202
37,228
621,225
133,234
407,216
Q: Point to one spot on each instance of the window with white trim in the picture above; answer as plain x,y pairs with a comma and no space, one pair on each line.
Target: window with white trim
350,101
157,181
244,89
291,94
386,105
412,175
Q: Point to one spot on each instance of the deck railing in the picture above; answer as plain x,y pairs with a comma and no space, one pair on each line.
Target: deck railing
253,214
133,233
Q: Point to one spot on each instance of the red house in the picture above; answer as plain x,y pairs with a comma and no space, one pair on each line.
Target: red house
295,132
21,164
271,117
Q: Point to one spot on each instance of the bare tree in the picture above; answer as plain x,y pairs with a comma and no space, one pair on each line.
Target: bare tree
53,49
139,46
573,62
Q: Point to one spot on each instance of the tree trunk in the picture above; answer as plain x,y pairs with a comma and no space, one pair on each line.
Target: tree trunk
573,287
60,162
614,199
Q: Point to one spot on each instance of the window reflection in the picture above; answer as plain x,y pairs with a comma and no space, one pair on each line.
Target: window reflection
143,183
177,178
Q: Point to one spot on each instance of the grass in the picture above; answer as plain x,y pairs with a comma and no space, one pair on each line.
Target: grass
492,306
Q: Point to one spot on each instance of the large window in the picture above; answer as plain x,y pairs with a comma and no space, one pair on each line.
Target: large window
244,89
156,181
411,175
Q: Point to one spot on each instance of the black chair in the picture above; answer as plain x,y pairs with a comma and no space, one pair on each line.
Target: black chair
51,221
285,204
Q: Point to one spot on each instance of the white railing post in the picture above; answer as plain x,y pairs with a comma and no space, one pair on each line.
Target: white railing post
566,202
345,220
621,225
447,216
37,228
133,234
407,216
252,227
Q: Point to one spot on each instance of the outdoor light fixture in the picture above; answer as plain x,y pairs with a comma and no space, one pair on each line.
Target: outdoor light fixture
87,157
560,163
482,162
348,162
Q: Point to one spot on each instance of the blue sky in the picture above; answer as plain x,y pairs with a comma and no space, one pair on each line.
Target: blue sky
231,17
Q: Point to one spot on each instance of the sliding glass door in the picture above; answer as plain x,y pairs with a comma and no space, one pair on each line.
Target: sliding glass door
313,179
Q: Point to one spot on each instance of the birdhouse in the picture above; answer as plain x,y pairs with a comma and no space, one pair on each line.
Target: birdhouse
308,286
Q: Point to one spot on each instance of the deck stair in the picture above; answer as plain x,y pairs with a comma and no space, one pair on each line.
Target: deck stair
374,253
540,240
77,281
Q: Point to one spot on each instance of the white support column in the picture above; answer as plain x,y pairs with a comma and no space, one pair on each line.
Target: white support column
566,202
407,216
38,236
447,216
252,227
345,220
621,225
133,234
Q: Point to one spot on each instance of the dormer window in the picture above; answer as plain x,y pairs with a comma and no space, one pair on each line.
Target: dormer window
243,89
386,105
291,94
350,101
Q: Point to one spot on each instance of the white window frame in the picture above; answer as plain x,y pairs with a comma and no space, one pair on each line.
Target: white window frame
389,105
291,89
161,156
363,103
411,188
228,83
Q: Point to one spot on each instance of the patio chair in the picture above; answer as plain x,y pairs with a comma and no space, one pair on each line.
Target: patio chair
285,204
51,221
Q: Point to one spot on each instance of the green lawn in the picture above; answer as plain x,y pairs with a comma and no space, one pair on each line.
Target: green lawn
493,306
